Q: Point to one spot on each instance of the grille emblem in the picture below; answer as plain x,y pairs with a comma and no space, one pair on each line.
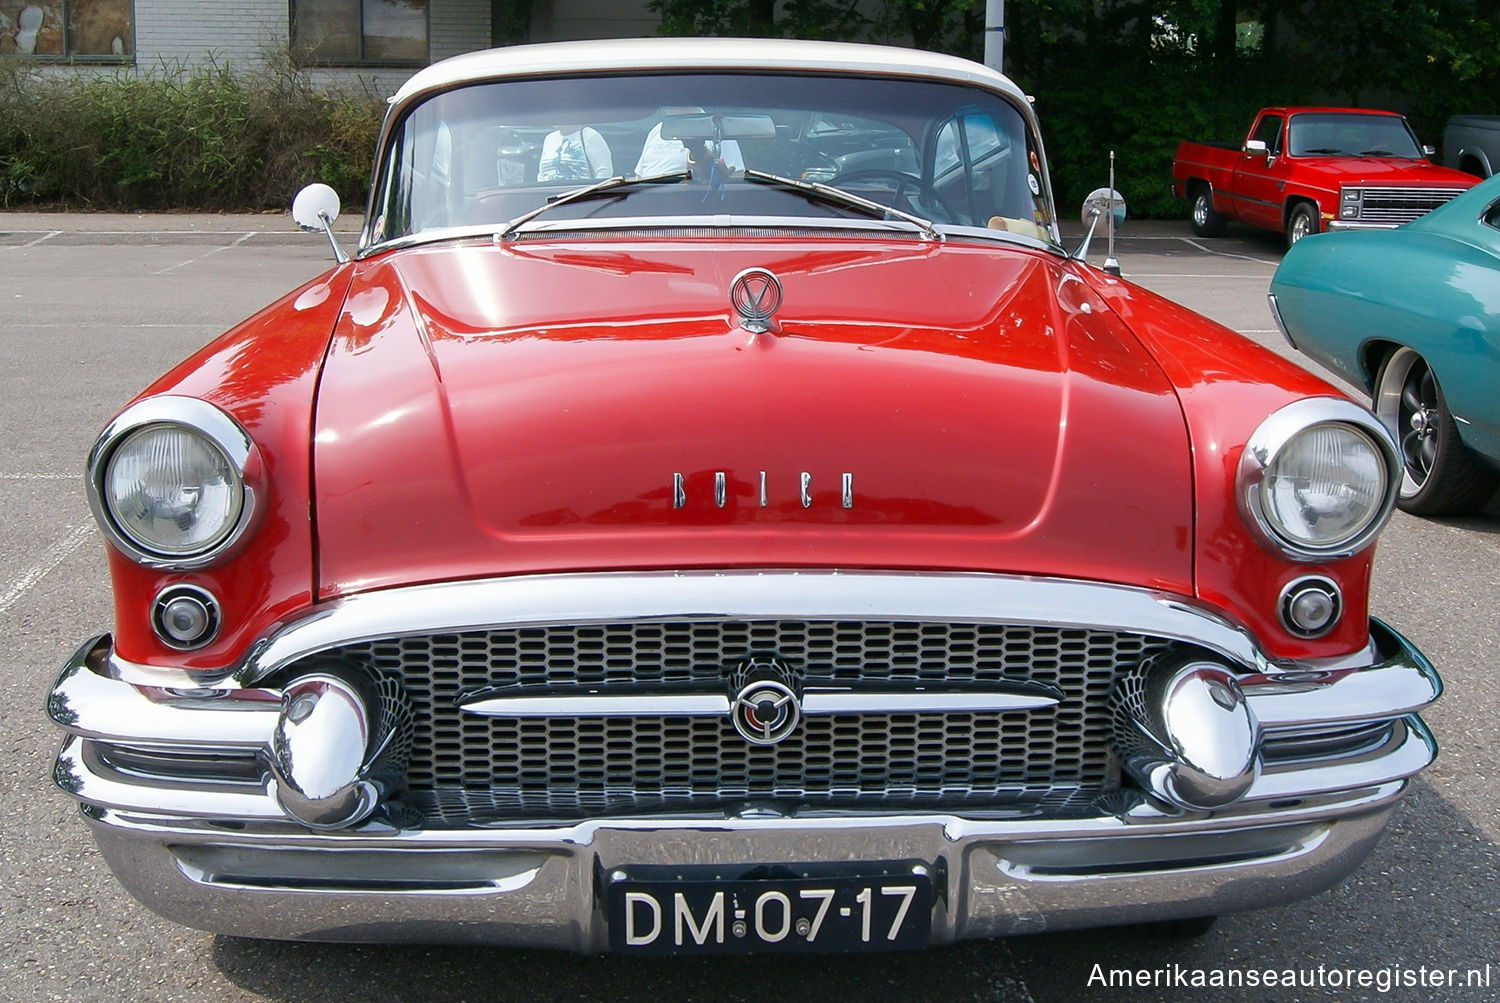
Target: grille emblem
764,706
765,712
755,294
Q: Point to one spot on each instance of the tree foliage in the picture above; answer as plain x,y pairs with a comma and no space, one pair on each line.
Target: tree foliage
1137,76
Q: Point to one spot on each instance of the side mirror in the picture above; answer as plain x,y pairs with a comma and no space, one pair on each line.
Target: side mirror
315,208
1102,201
1108,205
1257,146
1429,151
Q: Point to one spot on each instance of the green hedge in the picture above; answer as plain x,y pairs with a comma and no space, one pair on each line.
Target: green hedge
204,138
1142,119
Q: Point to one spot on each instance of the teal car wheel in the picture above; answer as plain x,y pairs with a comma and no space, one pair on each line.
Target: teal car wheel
1439,476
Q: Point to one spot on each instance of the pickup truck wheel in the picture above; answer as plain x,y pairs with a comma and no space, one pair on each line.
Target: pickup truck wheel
1439,477
1302,222
1206,221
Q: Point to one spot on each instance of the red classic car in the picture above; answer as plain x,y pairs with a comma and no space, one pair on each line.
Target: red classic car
712,511
1306,170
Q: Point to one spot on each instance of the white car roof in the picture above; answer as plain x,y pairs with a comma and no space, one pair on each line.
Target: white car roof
646,54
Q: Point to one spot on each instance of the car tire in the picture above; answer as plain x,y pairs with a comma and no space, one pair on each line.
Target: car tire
1302,222
1206,220
1439,476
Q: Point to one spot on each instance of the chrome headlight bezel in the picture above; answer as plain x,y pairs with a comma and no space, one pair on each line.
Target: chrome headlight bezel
1269,443
218,431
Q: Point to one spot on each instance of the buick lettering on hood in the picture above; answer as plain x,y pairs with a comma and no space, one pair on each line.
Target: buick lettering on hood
711,510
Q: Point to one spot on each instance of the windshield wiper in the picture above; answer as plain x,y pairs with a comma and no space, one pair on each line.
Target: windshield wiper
1377,152
1328,150
849,199
588,191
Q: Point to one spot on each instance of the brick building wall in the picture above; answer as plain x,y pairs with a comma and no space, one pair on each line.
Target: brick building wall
189,31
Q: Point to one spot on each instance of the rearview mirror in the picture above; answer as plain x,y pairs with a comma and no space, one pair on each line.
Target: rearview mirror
693,128
701,126
747,127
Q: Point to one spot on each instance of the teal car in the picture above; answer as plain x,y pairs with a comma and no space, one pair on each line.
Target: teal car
1413,315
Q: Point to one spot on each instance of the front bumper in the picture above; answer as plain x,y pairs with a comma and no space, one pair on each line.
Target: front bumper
1354,224
543,887
221,852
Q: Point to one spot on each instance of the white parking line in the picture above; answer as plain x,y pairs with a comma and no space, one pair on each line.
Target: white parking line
54,556
207,254
46,236
74,325
1225,254
1192,275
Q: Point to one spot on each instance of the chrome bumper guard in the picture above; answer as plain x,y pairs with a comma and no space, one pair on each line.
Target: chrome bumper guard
193,849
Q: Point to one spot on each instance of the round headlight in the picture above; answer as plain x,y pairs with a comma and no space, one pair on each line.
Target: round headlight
172,491
167,482
1317,481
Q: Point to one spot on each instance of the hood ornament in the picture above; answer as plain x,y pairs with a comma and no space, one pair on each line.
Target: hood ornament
755,294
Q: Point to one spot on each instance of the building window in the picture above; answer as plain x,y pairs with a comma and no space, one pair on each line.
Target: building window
360,32
63,29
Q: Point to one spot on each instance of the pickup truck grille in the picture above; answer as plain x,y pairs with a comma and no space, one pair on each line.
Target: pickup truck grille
1394,206
472,769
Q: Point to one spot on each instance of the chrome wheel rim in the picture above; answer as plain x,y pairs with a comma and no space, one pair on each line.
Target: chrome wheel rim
1407,403
1200,210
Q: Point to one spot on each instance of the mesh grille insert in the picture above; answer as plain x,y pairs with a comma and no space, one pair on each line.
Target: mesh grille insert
466,767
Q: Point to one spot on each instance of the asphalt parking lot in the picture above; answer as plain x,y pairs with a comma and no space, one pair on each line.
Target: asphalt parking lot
95,307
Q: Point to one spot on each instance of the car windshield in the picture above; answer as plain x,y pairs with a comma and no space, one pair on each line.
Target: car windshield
491,154
1334,135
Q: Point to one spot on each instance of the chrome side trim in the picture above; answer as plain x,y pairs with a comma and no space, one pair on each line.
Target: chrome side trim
1344,224
814,702
618,705
977,702
769,594
80,772
1276,317
1406,683
1411,750
90,701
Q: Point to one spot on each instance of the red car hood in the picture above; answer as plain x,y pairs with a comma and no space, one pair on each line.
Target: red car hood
544,407
1392,171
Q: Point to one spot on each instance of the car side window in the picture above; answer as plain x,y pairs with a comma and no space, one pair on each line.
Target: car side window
1491,216
1269,132
946,144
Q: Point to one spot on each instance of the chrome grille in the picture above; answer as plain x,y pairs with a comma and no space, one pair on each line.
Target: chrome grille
1394,206
468,768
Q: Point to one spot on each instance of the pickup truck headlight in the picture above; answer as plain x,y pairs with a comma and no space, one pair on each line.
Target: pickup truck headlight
1317,481
1350,200
174,482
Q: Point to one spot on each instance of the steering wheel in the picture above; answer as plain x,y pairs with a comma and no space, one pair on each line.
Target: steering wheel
929,203
901,179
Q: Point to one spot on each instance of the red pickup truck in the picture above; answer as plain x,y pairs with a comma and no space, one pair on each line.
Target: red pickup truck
1304,170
